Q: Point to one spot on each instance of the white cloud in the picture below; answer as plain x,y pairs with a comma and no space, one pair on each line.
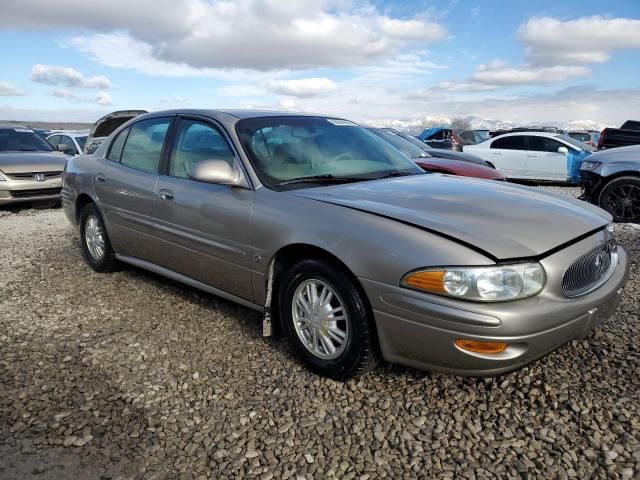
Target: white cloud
67,76
304,87
242,34
584,40
499,73
62,93
10,90
103,98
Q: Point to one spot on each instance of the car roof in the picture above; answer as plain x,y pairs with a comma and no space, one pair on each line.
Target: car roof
75,133
13,125
533,134
238,113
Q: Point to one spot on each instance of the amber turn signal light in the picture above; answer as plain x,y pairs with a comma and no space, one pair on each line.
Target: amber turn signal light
430,281
481,347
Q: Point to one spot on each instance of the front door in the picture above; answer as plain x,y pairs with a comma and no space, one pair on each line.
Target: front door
205,227
544,162
125,184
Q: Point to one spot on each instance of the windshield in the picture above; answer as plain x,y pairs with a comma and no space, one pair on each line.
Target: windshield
22,140
405,146
576,143
283,149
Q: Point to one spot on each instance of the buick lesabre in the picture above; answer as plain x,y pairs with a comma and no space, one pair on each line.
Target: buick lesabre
348,248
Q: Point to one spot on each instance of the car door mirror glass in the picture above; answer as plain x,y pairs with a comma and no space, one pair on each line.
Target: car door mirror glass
563,150
214,171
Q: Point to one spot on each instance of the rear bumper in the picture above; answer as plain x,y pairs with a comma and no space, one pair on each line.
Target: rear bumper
16,191
419,330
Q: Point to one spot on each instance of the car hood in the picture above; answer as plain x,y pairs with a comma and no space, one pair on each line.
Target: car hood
24,162
620,154
504,221
453,155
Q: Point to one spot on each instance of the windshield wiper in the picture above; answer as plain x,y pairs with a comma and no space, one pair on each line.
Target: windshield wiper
399,174
327,177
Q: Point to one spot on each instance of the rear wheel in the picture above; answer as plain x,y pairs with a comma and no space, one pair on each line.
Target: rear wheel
95,242
621,198
326,320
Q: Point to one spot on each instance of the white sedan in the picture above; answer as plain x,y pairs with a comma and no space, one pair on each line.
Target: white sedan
534,155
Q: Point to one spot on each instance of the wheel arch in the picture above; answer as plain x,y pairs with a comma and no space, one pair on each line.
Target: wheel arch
81,201
288,256
615,176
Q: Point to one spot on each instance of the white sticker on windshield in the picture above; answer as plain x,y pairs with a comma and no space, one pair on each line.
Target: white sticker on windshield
23,130
341,123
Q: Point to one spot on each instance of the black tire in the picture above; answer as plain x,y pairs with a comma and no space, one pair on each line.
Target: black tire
107,262
360,352
621,198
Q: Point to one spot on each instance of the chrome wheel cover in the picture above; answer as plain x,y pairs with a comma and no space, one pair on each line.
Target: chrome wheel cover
320,319
94,237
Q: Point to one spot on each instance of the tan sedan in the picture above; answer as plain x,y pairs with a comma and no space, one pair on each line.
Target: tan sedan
30,169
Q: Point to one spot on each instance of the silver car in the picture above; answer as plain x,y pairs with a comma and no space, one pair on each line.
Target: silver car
347,247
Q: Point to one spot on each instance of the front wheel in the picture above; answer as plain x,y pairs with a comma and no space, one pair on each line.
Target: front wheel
621,198
326,320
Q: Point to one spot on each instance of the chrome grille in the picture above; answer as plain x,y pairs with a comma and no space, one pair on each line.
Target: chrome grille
590,271
30,175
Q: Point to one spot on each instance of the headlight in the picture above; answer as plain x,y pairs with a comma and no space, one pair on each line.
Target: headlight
590,166
2,178
480,284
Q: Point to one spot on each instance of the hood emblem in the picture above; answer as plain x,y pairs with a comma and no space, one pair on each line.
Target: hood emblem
39,177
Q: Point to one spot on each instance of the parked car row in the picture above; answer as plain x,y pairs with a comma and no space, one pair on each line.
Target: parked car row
348,247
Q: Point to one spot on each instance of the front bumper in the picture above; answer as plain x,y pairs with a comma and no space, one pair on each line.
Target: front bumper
419,330
592,184
16,191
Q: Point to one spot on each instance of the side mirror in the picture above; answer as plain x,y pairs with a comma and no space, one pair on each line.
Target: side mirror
214,171
64,148
563,150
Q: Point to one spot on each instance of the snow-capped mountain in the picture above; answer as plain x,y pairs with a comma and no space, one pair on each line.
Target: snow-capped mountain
417,125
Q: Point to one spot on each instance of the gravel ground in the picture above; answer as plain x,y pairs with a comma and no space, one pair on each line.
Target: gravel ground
129,375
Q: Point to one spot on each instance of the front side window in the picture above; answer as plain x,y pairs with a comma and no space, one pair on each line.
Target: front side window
68,141
290,149
143,146
576,143
197,141
544,144
516,142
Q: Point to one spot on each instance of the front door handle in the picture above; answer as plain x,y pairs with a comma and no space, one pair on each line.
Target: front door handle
166,195
496,153
101,178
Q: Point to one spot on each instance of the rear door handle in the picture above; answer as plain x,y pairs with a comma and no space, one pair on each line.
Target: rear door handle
166,195
101,178
496,153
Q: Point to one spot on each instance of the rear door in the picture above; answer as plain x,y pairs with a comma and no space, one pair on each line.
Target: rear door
125,184
205,226
508,153
544,162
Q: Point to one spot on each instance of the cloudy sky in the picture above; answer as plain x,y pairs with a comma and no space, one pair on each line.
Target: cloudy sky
518,60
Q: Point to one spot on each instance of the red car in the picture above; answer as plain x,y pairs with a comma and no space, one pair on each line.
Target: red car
433,159
459,167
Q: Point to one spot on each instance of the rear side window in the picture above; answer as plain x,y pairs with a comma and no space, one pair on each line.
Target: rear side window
116,146
143,146
543,144
516,142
